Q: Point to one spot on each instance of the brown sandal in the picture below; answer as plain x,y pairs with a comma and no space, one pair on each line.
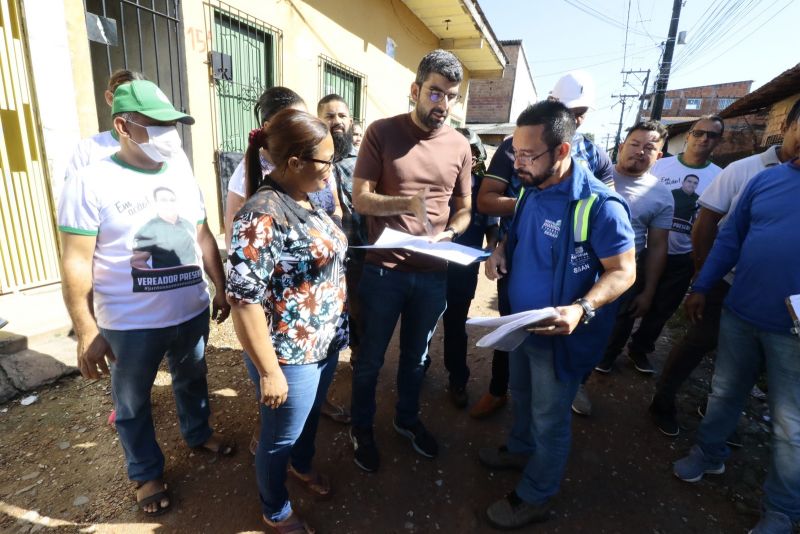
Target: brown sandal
295,526
318,485
226,446
156,497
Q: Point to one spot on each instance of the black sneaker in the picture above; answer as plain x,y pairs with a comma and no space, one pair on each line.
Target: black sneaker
365,452
605,365
666,423
734,440
641,363
458,395
423,442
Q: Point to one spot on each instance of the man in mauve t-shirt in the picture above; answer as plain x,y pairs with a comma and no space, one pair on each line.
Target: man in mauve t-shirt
409,168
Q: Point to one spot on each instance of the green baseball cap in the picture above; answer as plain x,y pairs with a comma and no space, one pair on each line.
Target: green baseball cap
145,97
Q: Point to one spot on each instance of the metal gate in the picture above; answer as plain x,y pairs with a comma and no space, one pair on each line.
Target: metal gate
244,58
28,244
140,35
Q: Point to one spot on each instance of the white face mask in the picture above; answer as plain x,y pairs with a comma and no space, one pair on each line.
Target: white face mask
162,144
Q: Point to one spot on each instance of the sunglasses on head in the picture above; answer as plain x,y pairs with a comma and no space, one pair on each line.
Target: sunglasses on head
701,133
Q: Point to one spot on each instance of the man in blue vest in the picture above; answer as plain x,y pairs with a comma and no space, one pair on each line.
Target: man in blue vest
570,246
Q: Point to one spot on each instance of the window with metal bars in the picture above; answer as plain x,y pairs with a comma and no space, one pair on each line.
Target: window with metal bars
723,103
244,56
340,79
138,35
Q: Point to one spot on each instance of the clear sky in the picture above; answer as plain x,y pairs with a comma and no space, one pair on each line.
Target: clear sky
727,41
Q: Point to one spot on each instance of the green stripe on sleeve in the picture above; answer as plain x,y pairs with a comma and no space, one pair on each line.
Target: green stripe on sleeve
77,231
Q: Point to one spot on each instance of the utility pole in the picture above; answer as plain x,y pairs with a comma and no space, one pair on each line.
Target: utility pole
644,93
666,62
607,138
622,99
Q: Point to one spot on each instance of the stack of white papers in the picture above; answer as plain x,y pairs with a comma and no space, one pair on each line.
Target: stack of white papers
510,331
445,250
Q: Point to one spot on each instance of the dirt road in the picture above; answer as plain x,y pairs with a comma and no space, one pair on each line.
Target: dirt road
61,467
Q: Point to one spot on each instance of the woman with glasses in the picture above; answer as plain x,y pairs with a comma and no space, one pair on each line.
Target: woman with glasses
242,185
287,289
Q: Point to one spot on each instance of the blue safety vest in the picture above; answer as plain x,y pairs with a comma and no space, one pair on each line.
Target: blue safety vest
577,268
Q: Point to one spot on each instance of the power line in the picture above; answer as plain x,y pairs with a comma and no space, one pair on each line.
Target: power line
719,31
726,35
591,64
740,41
580,5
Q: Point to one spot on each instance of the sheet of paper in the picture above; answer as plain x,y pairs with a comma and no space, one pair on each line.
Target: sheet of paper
510,331
445,250
794,300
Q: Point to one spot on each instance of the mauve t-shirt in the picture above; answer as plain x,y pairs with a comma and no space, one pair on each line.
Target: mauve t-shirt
402,159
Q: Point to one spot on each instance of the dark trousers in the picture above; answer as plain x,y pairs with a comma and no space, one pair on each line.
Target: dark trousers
686,354
355,267
669,294
623,326
498,386
461,283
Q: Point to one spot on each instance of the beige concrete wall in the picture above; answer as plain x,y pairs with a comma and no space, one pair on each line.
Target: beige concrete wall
353,32
75,20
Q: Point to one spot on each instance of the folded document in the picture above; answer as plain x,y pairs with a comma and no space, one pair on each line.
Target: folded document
444,250
510,330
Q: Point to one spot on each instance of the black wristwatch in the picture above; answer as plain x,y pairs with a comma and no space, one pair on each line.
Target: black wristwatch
588,310
451,229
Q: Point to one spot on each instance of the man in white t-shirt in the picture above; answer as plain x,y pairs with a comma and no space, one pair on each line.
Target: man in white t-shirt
688,174
134,283
715,203
651,208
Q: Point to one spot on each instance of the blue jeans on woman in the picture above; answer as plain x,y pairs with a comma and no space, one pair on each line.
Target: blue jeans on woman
542,418
139,353
288,432
743,349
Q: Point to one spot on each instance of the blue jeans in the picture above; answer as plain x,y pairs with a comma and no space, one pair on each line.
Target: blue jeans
419,299
742,350
542,417
139,353
288,432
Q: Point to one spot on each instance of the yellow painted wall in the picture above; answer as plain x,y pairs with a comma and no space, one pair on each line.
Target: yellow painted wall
81,66
352,32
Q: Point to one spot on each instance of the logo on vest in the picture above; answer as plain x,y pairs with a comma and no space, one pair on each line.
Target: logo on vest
551,228
580,260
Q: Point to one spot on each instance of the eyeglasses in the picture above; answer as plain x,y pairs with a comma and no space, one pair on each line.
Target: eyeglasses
701,133
437,96
326,162
527,160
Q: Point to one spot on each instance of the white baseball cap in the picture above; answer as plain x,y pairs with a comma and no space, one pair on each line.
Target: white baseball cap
575,90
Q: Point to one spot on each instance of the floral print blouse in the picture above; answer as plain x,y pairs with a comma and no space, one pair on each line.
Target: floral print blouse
291,261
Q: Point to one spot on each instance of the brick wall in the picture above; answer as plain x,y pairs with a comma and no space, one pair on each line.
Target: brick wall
777,114
490,100
709,95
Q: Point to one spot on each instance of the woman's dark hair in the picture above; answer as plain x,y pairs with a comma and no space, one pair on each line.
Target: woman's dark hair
118,77
273,100
290,133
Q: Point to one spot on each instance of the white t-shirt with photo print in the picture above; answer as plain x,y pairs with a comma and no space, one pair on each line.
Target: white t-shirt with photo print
147,268
672,172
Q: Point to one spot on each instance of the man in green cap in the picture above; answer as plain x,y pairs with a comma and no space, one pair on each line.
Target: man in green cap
128,309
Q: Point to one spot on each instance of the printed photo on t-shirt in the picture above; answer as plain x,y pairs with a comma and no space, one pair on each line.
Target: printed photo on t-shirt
685,198
164,256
